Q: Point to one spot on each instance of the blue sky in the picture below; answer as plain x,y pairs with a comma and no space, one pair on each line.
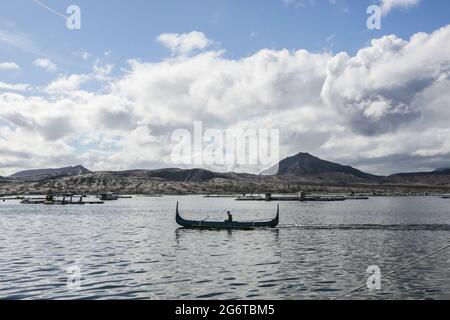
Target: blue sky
110,95
128,28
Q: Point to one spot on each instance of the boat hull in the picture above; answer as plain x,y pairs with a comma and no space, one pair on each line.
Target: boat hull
226,225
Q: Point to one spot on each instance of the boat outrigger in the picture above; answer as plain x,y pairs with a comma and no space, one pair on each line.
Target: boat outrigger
227,225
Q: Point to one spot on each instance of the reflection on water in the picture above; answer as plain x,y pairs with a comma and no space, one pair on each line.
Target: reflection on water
132,249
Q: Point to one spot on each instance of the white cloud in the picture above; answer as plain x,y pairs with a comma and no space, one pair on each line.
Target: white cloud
45,64
102,72
9,66
65,84
85,55
388,5
18,40
389,101
14,87
380,88
184,43
299,3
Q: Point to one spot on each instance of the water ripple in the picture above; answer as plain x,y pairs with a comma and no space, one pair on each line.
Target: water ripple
132,249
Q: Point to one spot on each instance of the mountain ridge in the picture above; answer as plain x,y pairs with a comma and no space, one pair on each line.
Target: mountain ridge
301,164
305,164
48,172
438,172
299,172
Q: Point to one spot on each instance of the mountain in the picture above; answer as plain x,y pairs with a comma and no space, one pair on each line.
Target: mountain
437,178
174,174
300,172
162,181
304,164
437,172
44,173
443,170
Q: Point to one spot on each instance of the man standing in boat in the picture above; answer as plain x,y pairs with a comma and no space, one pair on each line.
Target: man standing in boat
230,217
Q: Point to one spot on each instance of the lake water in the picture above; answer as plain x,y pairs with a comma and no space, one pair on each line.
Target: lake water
133,249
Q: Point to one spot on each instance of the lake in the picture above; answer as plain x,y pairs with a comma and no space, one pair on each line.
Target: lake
133,249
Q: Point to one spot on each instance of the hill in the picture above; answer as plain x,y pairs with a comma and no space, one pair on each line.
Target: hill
58,172
304,164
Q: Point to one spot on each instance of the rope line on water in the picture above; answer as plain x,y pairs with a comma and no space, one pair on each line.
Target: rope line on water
394,271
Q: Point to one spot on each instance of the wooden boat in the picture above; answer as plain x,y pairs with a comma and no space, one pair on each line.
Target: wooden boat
227,225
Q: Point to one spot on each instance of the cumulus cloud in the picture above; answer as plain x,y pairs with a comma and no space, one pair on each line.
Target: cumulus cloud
9,66
65,84
388,101
45,64
184,43
379,89
14,87
388,5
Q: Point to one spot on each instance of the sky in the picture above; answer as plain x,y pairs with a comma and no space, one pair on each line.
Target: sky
110,94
